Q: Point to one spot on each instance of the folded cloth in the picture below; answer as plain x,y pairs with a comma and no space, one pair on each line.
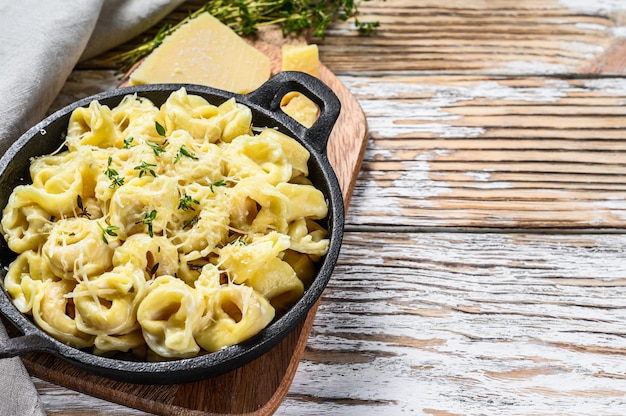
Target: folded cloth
40,43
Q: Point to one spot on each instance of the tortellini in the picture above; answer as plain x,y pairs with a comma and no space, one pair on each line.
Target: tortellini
164,231
237,312
168,315
75,250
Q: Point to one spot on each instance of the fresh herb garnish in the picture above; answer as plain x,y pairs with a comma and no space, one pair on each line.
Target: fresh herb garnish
157,148
145,168
127,142
109,230
219,182
83,211
116,179
186,202
159,129
239,242
191,222
148,219
183,152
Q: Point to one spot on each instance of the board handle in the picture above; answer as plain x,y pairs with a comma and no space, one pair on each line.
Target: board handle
12,347
270,94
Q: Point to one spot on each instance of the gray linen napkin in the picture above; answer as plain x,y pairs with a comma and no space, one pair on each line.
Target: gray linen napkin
40,42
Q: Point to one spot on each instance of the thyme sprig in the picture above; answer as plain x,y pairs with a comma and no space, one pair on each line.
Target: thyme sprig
108,230
190,223
127,142
83,210
145,168
148,218
184,152
156,148
245,17
159,129
219,182
113,175
187,202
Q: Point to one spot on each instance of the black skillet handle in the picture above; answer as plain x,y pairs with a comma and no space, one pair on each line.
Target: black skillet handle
12,347
269,95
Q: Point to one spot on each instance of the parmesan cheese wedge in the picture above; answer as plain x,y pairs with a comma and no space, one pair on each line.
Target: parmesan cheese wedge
300,108
303,58
207,52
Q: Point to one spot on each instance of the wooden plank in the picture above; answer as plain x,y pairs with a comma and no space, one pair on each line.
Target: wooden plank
469,324
465,151
497,37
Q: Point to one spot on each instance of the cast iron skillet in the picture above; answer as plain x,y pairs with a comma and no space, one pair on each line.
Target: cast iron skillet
47,136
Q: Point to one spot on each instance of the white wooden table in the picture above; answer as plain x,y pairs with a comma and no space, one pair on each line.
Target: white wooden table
484,264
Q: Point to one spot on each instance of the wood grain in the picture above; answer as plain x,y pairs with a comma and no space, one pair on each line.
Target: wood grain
482,271
469,324
527,153
539,37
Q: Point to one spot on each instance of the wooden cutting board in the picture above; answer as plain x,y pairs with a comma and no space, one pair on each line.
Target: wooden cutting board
259,387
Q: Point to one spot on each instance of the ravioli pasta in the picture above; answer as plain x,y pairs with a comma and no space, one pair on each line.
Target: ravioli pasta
164,231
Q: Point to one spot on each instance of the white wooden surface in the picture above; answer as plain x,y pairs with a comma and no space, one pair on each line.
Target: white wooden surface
484,264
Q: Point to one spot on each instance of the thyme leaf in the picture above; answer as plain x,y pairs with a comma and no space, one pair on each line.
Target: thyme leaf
245,17
127,142
191,222
183,152
186,202
239,242
148,218
219,182
156,148
145,168
109,230
83,210
159,128
113,175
